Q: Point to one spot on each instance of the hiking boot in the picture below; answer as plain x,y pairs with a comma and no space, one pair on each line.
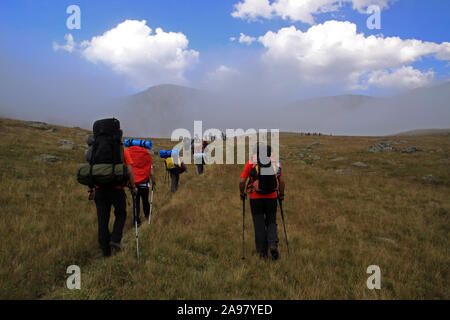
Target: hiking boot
116,246
274,252
263,255
106,252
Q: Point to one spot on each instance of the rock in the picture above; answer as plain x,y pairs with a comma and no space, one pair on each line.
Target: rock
428,177
38,125
315,158
444,160
439,150
411,150
386,240
359,164
51,130
47,158
338,159
344,171
67,144
382,146
317,144
306,149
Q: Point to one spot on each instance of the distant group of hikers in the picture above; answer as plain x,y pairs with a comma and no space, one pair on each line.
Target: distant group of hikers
110,167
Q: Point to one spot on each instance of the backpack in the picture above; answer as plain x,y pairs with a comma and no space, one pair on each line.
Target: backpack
142,162
105,166
265,176
174,165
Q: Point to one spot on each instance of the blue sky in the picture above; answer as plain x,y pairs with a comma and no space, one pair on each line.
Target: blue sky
29,29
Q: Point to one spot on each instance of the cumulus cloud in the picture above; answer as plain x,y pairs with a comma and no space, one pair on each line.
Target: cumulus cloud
246,39
404,77
297,10
144,56
333,52
69,46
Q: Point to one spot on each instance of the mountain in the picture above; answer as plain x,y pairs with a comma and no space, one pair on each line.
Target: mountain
363,115
424,132
157,111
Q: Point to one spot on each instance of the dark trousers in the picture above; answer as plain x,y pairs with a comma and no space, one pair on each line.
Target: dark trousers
200,168
142,194
104,199
175,178
264,214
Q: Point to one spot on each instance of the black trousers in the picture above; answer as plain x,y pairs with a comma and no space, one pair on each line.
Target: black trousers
264,213
104,199
175,178
142,194
200,168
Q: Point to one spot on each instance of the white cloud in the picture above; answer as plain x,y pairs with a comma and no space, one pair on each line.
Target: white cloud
222,73
333,52
232,39
404,77
246,39
298,10
69,46
146,58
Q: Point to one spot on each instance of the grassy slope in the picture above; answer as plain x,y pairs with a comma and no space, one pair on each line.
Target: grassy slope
192,250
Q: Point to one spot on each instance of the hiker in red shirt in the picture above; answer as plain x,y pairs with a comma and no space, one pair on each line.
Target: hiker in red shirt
143,172
263,190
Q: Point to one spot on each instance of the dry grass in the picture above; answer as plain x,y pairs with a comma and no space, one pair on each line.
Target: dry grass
338,224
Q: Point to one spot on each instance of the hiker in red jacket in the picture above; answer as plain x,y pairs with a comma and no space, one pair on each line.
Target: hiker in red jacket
143,172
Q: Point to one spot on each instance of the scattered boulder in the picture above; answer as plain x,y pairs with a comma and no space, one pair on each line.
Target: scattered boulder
317,144
38,125
67,144
47,158
428,177
386,240
338,159
359,164
382,146
411,150
390,162
344,171
307,149
315,158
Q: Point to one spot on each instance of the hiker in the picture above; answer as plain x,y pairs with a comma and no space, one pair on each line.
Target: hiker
199,153
143,173
108,151
175,166
263,191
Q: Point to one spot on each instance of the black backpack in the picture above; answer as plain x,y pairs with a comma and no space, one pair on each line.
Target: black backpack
107,146
264,174
105,166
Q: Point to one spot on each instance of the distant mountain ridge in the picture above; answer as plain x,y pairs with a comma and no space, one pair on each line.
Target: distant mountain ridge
159,110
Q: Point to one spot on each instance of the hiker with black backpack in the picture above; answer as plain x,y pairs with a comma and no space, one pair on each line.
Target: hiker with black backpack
107,171
143,173
265,185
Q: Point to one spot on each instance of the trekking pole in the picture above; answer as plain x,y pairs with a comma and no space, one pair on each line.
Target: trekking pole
135,223
243,229
151,203
284,225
